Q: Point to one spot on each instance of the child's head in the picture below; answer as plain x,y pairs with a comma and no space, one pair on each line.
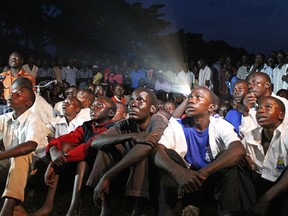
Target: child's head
201,102
21,99
170,106
121,113
240,90
71,106
118,90
86,97
142,104
100,90
223,109
103,109
270,112
283,93
71,91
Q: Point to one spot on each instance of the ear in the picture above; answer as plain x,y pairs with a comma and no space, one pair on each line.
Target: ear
153,109
281,115
29,103
77,110
212,108
111,113
267,84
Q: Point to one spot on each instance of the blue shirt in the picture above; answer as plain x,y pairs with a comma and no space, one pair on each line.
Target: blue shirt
234,117
198,147
136,76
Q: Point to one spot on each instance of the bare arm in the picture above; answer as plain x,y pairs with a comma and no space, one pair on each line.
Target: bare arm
179,111
228,158
19,150
263,204
187,180
104,140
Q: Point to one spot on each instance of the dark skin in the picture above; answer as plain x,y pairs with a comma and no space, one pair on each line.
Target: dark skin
20,102
269,116
15,63
259,86
199,107
141,111
101,111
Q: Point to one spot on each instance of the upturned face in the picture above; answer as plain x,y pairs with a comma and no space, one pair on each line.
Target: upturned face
140,107
268,113
100,110
199,102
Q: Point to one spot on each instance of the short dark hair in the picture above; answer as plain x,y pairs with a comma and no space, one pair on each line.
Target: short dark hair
152,96
22,81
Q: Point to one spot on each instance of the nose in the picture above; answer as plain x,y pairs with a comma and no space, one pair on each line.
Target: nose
191,99
132,103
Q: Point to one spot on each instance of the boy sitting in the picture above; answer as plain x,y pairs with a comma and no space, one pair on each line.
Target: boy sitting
75,147
196,155
267,148
59,126
22,134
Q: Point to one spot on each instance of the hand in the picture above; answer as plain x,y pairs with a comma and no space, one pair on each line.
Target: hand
246,163
249,100
147,138
284,77
203,174
49,176
100,191
187,180
262,206
60,161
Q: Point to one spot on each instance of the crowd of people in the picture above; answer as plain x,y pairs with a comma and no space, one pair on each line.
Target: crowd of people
201,134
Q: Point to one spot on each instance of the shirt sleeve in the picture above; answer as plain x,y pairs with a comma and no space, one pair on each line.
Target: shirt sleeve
248,123
157,125
74,138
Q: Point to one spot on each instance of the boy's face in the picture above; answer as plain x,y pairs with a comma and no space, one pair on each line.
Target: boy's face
239,91
99,110
70,107
118,90
223,109
199,102
99,91
18,98
139,106
169,107
15,60
257,85
71,91
268,113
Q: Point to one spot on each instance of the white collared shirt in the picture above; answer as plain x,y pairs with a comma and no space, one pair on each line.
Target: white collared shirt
249,122
27,127
58,126
272,164
221,134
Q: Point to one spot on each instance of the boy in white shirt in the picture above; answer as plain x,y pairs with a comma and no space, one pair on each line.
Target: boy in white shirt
266,148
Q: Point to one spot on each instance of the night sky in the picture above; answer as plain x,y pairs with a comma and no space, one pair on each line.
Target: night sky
255,25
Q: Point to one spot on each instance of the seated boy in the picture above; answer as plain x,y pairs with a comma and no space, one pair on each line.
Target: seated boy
75,147
267,148
59,126
127,145
86,97
22,134
197,155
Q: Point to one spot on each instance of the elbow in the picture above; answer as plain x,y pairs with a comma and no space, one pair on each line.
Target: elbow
29,148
